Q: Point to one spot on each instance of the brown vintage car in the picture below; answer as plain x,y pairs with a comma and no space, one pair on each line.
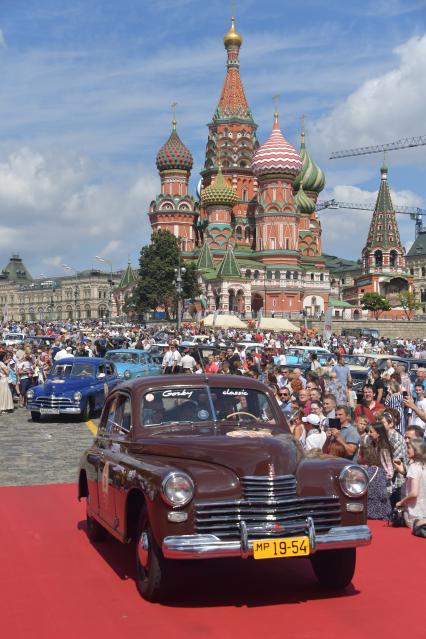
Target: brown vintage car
204,466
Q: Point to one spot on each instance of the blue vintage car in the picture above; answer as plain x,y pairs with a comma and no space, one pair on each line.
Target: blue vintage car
134,362
75,386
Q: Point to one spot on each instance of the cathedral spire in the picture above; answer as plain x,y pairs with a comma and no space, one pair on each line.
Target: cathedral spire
232,102
383,249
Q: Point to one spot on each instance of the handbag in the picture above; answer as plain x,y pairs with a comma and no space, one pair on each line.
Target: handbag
419,530
396,518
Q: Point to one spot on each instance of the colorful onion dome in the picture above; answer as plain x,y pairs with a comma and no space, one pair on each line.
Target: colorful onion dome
276,155
174,155
232,37
219,192
303,202
311,175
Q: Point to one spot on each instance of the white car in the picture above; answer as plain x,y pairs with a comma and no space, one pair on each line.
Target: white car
10,339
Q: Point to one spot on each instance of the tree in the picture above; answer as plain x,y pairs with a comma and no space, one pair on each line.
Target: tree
375,303
407,300
156,283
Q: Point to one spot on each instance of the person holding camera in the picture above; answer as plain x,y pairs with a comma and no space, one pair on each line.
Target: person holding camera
342,431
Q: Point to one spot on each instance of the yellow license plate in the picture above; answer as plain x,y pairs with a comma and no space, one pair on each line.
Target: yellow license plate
275,548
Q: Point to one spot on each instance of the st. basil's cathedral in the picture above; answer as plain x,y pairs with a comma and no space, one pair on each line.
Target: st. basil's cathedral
253,230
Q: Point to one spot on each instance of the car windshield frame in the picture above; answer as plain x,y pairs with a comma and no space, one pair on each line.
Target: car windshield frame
72,369
123,357
185,400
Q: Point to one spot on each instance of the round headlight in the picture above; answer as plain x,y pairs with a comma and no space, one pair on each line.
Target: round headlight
177,489
354,481
77,396
30,394
127,374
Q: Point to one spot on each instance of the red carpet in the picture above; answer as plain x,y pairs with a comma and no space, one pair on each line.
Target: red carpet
55,584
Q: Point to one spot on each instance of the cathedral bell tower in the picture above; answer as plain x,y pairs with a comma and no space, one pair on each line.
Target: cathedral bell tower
232,142
174,209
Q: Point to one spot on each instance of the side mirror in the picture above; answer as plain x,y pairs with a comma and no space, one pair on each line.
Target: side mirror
100,375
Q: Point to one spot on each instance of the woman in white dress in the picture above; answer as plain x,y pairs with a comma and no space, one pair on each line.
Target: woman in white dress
6,400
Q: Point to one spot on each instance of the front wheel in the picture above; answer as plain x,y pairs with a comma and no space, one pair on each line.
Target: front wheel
86,412
334,568
151,568
35,416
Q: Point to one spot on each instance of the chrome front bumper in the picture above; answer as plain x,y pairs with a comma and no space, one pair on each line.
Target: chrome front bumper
210,546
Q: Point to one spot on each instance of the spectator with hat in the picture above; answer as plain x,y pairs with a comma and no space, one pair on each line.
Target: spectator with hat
315,437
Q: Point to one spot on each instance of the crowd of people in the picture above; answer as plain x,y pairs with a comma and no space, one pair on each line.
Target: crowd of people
384,430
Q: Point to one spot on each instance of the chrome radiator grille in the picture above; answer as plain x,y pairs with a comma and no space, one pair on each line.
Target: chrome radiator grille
53,402
270,508
267,488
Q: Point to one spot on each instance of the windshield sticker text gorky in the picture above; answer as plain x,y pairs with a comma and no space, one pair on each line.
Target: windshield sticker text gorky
229,391
178,393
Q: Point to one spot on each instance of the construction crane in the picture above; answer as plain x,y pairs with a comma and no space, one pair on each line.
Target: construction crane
403,143
415,213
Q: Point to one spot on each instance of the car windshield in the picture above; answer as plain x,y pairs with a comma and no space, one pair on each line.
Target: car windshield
357,360
73,370
126,358
197,405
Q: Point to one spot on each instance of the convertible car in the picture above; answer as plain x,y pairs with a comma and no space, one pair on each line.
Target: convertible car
75,386
204,466
133,362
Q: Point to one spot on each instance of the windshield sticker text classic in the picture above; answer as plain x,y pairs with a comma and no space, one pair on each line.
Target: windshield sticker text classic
229,391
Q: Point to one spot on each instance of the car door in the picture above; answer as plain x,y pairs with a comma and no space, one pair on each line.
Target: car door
114,432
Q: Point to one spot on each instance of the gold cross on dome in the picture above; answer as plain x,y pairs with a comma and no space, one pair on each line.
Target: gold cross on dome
174,105
276,102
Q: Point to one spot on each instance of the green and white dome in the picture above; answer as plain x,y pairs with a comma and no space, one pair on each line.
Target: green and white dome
311,176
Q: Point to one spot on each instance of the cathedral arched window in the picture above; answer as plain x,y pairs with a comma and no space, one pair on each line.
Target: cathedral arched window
256,275
269,275
393,257
378,259
248,273
321,277
239,232
288,275
247,233
295,275
277,275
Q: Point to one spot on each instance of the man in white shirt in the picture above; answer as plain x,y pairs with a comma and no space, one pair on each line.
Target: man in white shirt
187,362
64,352
389,370
420,402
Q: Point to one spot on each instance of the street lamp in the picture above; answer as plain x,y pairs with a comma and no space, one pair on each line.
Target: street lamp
179,271
71,268
103,259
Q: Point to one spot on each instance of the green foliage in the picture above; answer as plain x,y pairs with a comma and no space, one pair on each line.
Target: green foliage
156,282
407,300
190,286
375,303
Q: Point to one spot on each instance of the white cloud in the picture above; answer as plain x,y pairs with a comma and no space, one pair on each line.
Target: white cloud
52,210
384,108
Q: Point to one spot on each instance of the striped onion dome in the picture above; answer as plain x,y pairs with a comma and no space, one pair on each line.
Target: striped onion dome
276,155
311,175
219,192
174,155
303,202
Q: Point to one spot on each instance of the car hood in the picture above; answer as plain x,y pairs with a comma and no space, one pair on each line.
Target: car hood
123,366
272,455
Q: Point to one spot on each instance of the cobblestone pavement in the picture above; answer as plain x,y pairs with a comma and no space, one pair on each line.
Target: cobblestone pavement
44,452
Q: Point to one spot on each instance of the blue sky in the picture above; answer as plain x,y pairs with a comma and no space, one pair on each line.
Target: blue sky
85,105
